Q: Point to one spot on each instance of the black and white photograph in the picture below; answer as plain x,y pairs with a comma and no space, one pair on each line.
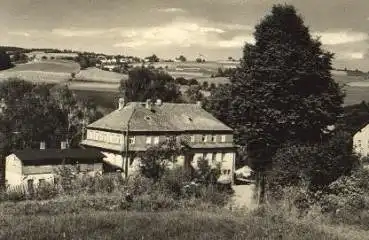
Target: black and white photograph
184,119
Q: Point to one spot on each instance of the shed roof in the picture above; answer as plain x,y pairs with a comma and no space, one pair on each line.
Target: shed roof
57,156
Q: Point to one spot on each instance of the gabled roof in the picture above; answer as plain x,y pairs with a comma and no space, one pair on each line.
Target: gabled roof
165,117
58,156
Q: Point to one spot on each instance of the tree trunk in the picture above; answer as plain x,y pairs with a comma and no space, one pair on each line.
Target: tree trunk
260,187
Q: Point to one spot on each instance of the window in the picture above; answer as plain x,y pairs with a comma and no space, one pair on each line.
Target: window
204,138
56,181
359,143
213,138
148,140
223,138
223,156
131,140
213,157
30,185
41,182
89,136
90,167
192,138
156,140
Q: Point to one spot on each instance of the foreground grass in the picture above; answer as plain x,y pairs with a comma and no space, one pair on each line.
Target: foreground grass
156,225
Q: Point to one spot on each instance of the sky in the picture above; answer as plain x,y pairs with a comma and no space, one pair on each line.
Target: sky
215,29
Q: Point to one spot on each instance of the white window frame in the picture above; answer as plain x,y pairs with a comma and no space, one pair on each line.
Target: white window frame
223,138
132,140
204,138
156,140
148,140
214,138
213,157
192,138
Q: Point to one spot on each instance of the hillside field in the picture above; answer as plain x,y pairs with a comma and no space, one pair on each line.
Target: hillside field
93,81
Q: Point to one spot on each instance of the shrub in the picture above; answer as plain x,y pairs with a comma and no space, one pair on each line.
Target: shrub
15,194
46,191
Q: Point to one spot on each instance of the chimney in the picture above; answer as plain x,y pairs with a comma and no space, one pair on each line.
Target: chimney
148,104
42,145
63,145
158,102
121,103
199,103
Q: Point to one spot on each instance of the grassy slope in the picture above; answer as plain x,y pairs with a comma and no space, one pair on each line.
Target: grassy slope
160,225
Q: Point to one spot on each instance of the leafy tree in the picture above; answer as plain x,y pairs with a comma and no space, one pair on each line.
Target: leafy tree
156,159
193,81
355,117
152,58
144,83
19,57
194,94
207,174
182,58
283,90
205,85
313,165
181,81
212,86
83,61
5,62
79,113
30,115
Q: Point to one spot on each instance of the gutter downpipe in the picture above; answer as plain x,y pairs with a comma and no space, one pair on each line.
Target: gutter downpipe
127,146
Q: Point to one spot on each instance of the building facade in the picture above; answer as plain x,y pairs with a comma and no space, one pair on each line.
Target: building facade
31,167
361,142
136,126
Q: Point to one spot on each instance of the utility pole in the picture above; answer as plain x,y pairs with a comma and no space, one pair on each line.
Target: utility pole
126,162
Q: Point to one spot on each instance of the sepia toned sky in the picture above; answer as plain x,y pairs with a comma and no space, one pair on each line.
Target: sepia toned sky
215,28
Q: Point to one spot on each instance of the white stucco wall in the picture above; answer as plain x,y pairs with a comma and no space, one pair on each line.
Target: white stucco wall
13,170
361,141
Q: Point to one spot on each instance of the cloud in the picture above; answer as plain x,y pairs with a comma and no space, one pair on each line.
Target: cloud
237,27
180,33
79,32
130,44
24,34
350,55
341,37
236,42
171,10
183,34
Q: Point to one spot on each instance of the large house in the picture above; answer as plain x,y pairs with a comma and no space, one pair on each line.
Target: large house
31,167
135,126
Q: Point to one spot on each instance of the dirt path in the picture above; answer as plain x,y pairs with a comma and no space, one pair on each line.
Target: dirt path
243,196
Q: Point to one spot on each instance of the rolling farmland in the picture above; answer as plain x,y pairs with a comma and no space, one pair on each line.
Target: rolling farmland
92,82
